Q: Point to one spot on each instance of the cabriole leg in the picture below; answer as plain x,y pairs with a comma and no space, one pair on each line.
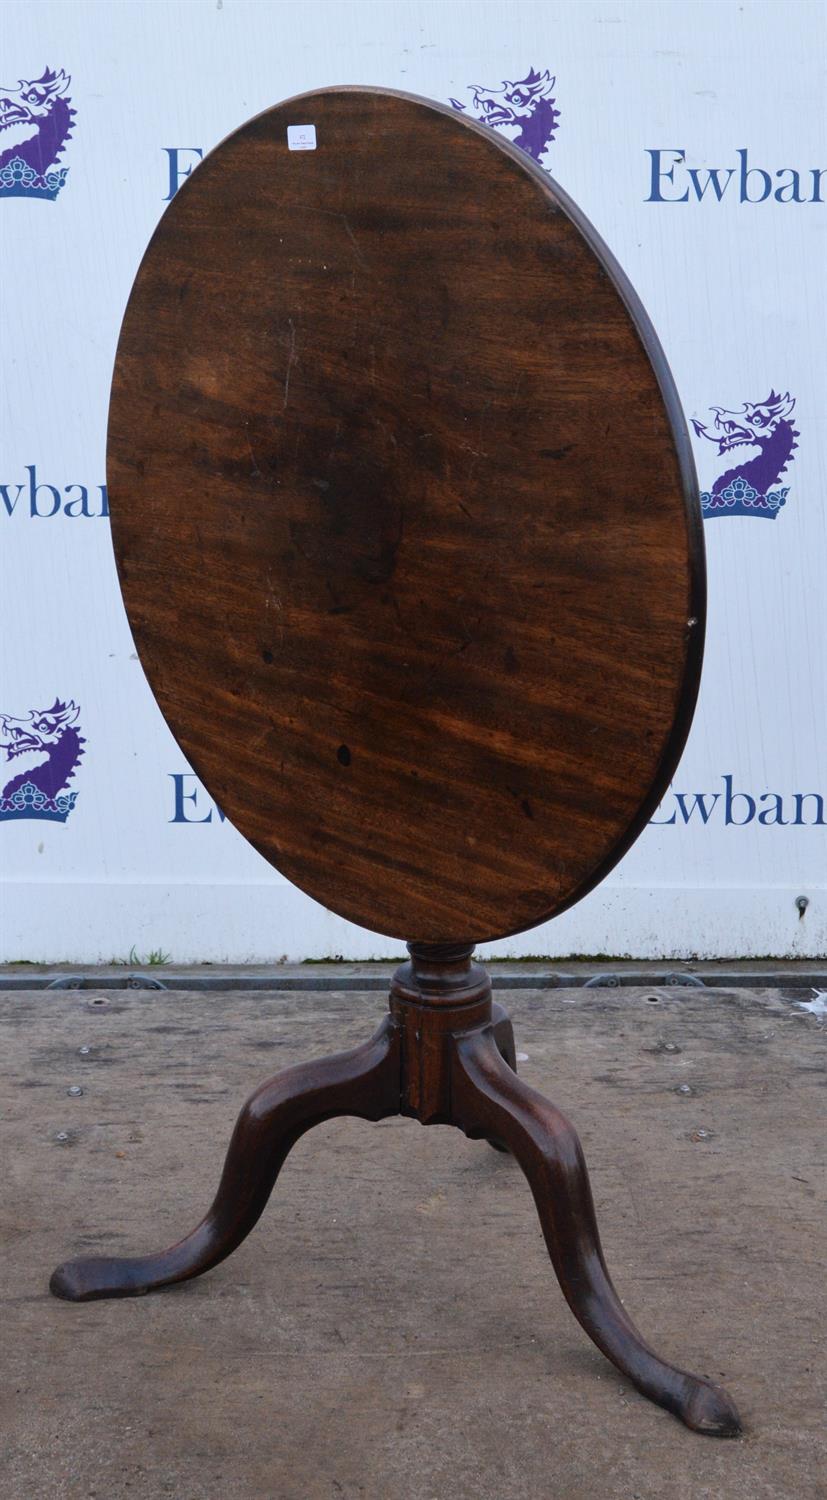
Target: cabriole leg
489,1100
364,1082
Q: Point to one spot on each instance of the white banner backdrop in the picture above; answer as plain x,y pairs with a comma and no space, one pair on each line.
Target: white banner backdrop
693,136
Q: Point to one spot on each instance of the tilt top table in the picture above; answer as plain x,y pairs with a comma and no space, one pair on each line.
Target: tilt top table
409,538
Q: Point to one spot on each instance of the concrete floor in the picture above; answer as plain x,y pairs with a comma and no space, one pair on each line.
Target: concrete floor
341,1352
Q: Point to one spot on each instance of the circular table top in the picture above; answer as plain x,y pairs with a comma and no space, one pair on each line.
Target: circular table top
405,517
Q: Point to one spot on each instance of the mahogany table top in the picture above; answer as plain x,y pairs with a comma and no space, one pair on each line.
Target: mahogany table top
405,517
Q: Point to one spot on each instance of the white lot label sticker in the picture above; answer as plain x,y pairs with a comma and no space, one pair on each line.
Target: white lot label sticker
301,137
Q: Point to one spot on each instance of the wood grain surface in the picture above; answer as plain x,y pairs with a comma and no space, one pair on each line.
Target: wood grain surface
405,517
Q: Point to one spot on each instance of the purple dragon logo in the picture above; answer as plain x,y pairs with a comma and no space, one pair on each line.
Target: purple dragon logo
40,755
524,110
35,124
765,430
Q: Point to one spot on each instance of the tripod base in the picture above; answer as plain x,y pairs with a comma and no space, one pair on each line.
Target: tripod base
444,1054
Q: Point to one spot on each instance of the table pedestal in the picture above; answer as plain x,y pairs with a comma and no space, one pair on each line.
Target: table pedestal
444,1055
